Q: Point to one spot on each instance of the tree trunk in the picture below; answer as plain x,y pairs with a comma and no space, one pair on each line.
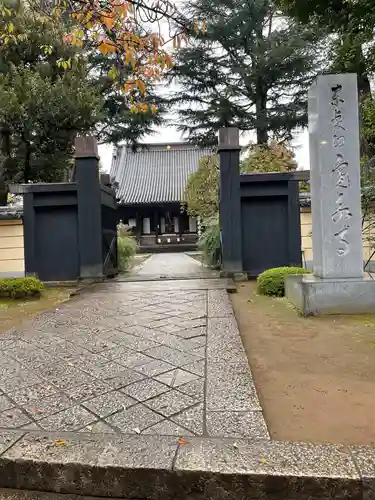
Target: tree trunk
261,115
5,152
27,167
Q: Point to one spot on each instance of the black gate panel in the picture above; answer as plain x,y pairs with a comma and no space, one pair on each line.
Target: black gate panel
264,233
56,243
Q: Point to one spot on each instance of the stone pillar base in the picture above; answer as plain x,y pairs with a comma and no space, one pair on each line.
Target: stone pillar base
313,296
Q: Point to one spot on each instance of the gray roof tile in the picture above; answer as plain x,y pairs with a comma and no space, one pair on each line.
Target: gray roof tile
154,173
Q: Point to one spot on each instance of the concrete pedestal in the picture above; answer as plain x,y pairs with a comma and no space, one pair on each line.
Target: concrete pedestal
313,296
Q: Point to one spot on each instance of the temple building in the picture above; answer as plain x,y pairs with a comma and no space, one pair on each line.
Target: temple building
150,184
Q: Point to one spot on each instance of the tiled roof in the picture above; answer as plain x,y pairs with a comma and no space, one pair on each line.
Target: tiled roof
154,173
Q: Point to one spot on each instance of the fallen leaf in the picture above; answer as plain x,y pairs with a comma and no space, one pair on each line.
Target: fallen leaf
60,442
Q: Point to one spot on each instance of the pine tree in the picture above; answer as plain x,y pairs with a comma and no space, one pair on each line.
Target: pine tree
250,69
120,122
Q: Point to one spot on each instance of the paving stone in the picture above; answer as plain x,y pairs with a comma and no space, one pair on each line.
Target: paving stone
198,367
133,342
108,403
118,352
98,345
191,419
7,438
26,395
98,427
135,359
194,389
167,428
154,368
106,370
32,426
124,378
192,333
12,384
219,305
268,466
364,459
12,370
230,390
170,403
5,403
72,378
71,419
145,389
236,424
13,418
44,406
134,419
172,356
131,466
175,378
87,390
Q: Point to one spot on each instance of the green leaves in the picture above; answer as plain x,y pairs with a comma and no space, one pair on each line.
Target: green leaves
250,70
202,189
46,99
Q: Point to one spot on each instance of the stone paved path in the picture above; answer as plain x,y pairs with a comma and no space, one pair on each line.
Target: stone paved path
144,357
173,265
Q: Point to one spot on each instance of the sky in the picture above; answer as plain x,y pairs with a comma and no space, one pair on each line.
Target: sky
171,134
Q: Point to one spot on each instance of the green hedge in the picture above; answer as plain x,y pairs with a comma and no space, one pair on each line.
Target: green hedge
16,288
126,249
272,281
209,241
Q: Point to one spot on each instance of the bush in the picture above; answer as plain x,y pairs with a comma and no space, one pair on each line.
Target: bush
126,249
209,241
16,288
272,281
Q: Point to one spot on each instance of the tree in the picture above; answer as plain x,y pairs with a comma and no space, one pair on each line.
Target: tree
120,122
46,100
358,15
251,69
122,28
202,188
201,195
273,157
352,24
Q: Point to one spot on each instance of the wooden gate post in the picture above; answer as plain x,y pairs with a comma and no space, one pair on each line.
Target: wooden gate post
230,201
89,208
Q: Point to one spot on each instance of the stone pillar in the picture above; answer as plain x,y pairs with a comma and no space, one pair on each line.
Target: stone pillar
176,224
335,177
338,285
192,224
89,207
230,200
146,225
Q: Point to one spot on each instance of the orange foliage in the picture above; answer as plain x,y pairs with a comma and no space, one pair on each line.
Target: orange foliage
114,27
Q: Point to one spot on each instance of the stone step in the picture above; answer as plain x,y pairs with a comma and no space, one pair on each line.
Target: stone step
145,467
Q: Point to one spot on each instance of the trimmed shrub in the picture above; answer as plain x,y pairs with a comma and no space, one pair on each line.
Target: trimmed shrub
209,241
126,249
17,288
272,281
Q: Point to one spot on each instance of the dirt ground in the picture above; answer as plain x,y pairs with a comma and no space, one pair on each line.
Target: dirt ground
15,312
315,376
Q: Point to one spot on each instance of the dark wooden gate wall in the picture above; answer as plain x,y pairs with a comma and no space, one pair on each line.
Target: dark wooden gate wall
70,229
270,222
259,214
